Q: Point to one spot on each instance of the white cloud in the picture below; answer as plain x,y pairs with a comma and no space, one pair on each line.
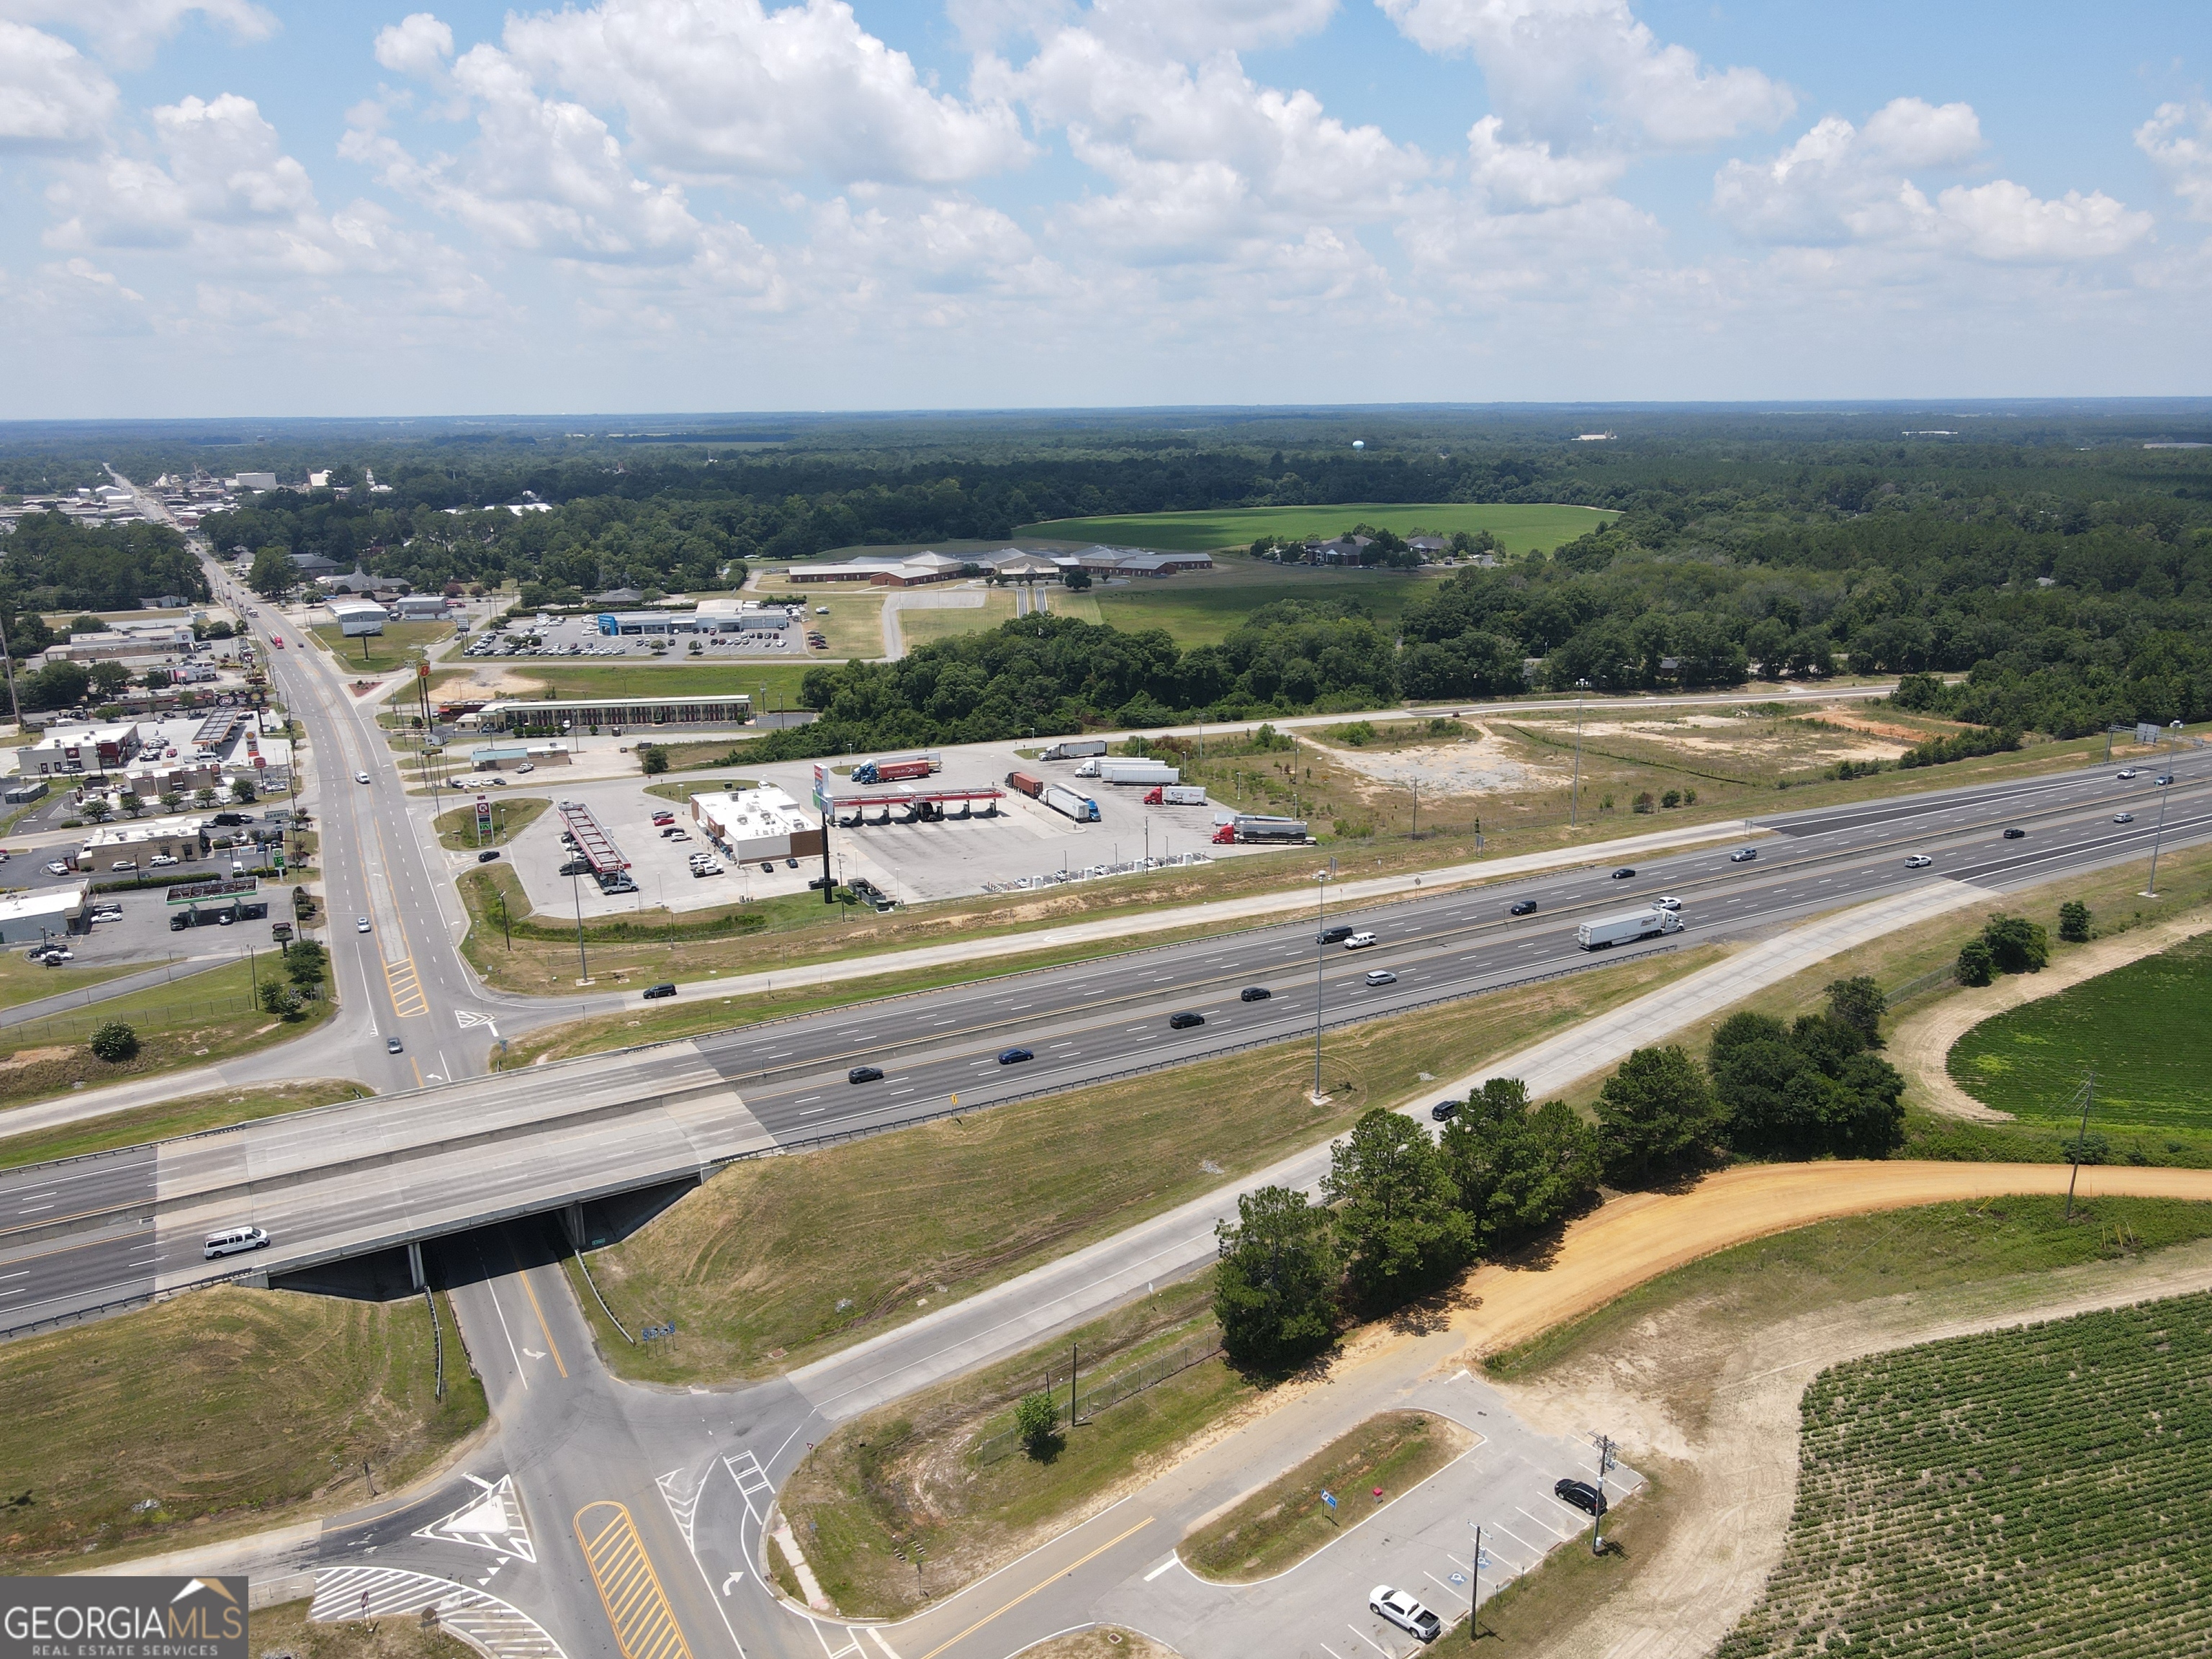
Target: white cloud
2003,220
417,45
50,98
710,88
1197,29
2184,156
1518,177
1841,186
1554,67
128,31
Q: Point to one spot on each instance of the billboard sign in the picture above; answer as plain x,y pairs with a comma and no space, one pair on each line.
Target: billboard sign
821,787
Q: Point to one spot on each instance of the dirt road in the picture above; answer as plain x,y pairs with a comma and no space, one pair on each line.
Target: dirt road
1920,1046
1640,1237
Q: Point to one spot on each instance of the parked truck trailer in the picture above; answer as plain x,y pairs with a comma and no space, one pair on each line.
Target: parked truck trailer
894,769
1245,830
1074,748
1129,771
1081,808
1626,929
1177,794
1026,783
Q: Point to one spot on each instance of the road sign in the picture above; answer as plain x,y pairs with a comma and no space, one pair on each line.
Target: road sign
421,670
483,810
1329,1497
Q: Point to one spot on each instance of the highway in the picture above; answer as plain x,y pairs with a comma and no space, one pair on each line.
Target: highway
421,1163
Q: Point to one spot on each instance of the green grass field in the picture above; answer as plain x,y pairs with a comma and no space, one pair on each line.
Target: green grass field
217,1109
1519,527
2036,1490
393,648
1200,607
2134,1026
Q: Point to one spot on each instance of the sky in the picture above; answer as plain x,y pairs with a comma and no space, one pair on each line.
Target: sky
236,207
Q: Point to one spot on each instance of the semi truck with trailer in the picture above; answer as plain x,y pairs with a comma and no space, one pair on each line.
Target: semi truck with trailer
1177,794
1025,783
1626,929
1246,830
894,769
1081,808
1129,771
1074,748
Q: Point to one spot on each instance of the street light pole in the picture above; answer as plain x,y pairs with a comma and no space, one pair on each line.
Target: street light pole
2159,835
583,968
1321,928
1575,794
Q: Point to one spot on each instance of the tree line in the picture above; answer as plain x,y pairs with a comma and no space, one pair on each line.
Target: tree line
1400,1213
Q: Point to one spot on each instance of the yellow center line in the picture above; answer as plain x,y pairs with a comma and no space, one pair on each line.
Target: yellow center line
1035,1587
522,1273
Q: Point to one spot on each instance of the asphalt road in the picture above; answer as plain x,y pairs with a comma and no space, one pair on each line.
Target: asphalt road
368,1173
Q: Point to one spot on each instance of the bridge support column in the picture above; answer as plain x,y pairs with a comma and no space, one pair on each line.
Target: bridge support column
572,1222
414,1265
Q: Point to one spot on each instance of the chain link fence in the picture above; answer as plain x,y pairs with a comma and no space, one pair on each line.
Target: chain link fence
1094,1397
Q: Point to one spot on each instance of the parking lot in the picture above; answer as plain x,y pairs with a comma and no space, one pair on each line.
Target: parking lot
953,858
142,937
579,637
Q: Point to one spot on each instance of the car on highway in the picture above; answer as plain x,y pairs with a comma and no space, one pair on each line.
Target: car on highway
2129,773
666,988
1444,1110
1184,1021
160,861
57,868
360,777
1743,855
1331,935
1669,902
1014,1056
124,864
1382,977
1525,907
2163,779
361,924
487,855
1360,941
2015,834
1256,994
1624,872
1918,861
1400,1607
393,1045
865,1074
232,1240
2124,818
1583,1495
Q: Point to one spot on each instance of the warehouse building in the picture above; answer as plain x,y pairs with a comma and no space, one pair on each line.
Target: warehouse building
565,714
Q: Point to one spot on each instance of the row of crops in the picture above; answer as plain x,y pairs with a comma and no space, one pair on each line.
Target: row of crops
2045,1491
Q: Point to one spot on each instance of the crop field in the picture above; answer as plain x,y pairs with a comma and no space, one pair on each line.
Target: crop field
2137,1025
2038,1491
1520,527
1200,607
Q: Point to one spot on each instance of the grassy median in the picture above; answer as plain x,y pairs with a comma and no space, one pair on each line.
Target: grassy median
224,1412
778,1261
216,1110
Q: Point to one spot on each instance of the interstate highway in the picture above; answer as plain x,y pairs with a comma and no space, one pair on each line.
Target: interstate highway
539,1138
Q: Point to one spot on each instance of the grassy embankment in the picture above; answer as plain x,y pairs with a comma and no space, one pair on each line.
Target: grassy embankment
1284,1521
781,1261
227,1412
196,1020
287,1629
1520,821
23,980
2139,1027
383,653
510,816
216,1110
2003,1249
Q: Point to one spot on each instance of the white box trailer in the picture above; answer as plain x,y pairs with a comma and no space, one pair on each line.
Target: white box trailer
1145,772
1074,748
1626,929
1081,808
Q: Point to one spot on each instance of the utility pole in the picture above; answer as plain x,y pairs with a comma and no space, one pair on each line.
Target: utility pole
2158,837
1475,1600
2088,1096
1575,794
1074,1368
583,968
1604,1468
1321,927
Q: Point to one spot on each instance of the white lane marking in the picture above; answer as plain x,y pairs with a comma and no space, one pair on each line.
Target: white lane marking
1172,1561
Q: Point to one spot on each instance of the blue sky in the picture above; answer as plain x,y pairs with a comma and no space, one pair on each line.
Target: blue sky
234,206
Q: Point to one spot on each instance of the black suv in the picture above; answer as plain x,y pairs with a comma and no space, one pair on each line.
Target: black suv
1331,935
1583,1495
1444,1110
865,1074
1526,908
1184,1021
667,990
1256,994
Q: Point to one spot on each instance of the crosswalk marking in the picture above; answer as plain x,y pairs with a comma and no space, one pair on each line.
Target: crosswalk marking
629,1590
752,1480
483,1621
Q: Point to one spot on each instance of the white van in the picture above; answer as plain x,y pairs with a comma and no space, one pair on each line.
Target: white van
232,1240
